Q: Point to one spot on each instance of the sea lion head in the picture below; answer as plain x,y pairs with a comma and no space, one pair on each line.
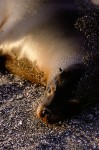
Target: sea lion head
59,99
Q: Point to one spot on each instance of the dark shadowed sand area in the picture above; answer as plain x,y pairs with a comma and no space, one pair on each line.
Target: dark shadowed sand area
21,130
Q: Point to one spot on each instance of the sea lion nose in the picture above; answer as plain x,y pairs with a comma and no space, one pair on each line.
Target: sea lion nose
45,113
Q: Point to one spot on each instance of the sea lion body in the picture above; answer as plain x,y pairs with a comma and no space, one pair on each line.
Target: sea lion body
43,32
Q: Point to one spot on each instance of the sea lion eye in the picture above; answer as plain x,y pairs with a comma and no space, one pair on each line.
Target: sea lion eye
60,69
49,91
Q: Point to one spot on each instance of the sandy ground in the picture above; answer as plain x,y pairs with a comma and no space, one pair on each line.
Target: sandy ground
21,130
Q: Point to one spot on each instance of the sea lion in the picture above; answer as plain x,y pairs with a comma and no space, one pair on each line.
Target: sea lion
39,40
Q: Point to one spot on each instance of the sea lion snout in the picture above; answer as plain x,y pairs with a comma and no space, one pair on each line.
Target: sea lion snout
43,113
56,107
49,110
47,115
